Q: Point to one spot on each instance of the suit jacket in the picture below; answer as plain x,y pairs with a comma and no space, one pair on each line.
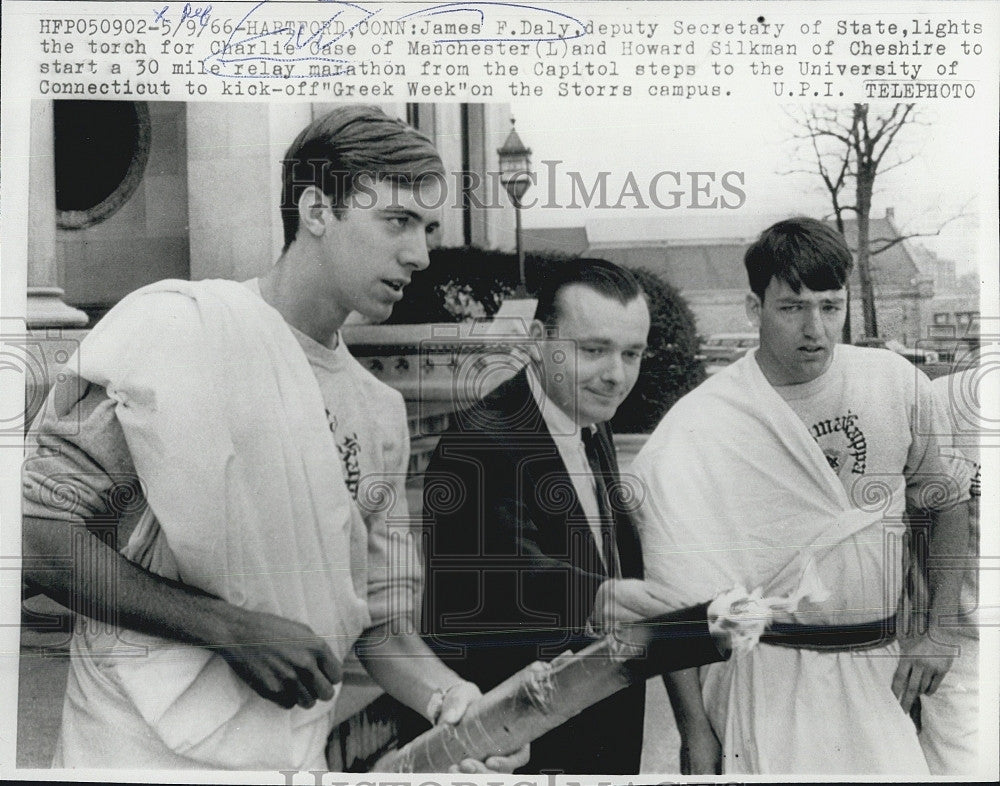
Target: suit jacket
513,568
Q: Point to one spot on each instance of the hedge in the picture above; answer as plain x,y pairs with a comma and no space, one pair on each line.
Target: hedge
670,368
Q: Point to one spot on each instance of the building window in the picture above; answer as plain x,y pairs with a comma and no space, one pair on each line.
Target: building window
966,318
101,150
942,319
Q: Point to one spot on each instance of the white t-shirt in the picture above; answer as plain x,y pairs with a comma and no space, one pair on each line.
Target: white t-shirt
367,421
877,420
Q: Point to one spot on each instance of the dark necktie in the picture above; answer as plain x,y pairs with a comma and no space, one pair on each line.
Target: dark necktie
599,459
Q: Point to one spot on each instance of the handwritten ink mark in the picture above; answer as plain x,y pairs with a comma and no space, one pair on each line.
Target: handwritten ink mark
314,42
547,16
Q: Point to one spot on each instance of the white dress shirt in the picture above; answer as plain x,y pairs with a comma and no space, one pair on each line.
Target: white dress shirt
566,434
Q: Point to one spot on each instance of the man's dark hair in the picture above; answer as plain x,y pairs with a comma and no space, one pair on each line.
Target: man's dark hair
802,252
352,141
604,277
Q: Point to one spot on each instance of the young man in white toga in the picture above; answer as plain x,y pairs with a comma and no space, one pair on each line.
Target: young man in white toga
802,456
258,473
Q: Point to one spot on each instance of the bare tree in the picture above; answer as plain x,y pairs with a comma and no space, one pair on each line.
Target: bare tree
828,132
848,147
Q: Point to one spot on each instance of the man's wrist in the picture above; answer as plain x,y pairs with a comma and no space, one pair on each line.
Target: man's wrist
215,623
941,633
167,607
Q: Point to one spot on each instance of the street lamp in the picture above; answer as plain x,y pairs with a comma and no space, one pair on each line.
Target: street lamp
516,176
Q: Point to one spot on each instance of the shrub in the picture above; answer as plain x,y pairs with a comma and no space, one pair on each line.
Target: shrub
465,283
670,368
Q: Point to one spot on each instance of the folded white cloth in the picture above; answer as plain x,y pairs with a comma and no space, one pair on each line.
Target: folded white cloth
738,493
226,426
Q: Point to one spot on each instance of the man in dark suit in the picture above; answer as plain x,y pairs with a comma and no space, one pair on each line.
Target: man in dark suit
530,548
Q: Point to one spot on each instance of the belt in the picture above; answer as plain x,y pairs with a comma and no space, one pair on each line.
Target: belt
856,636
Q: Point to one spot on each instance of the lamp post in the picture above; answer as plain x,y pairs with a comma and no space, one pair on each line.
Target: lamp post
516,176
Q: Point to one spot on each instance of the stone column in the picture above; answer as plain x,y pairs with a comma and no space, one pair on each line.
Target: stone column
46,308
234,186
449,141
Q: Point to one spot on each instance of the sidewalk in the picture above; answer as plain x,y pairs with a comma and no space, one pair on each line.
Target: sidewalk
42,669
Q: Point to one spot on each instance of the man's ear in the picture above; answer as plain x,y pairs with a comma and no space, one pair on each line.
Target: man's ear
314,211
753,306
536,333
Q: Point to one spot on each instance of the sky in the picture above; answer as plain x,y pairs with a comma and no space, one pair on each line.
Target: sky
940,182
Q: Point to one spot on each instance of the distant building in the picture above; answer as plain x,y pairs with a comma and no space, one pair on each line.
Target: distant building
953,312
571,241
940,269
902,290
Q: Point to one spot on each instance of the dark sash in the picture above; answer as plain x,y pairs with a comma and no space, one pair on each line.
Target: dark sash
856,636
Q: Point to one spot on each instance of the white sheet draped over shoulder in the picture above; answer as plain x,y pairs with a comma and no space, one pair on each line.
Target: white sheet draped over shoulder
737,492
226,426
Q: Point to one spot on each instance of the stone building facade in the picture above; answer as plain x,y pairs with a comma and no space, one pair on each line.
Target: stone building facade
205,203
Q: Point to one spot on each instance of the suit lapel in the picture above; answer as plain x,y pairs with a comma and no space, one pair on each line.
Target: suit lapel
531,443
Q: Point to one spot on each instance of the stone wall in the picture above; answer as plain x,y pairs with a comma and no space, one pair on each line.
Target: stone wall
147,238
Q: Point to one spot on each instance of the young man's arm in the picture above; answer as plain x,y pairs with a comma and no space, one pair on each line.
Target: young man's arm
282,660
79,459
391,650
701,753
924,660
408,670
938,486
